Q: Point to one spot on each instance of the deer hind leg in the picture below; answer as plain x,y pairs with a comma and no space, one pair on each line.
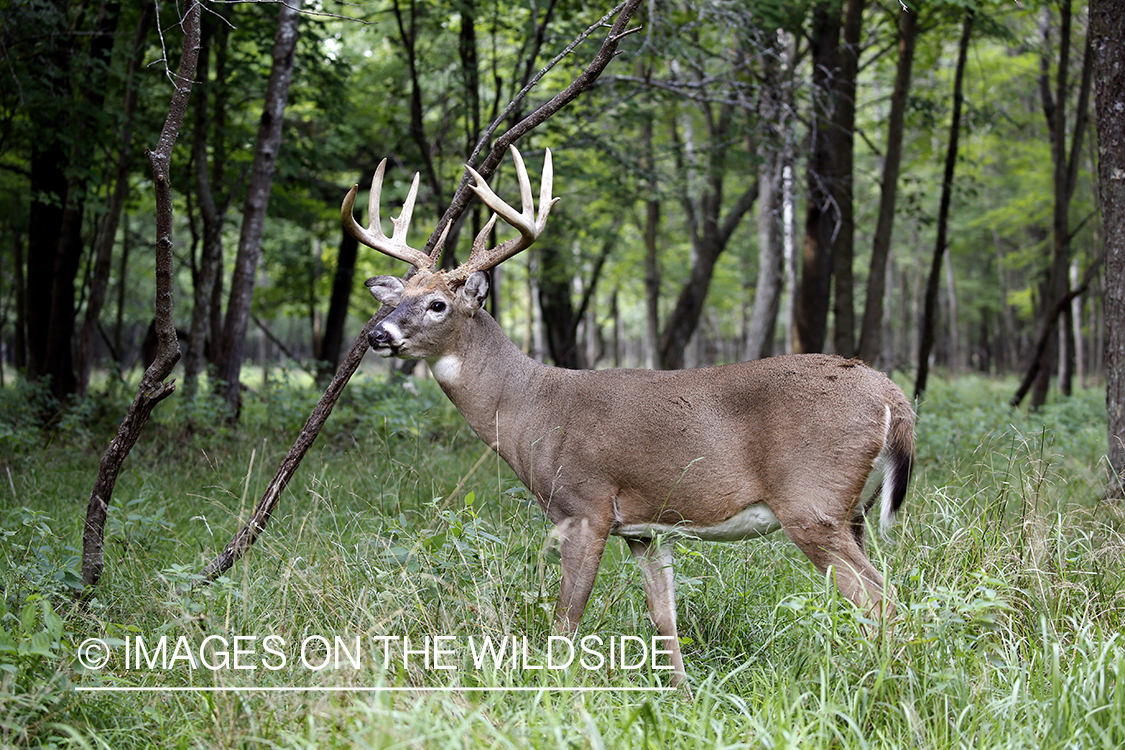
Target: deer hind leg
582,542
655,562
836,544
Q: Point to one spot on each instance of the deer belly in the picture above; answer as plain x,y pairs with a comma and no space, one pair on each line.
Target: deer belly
753,521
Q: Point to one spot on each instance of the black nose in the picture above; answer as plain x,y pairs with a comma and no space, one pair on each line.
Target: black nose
378,338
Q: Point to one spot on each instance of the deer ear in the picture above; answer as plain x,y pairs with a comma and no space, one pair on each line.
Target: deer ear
475,290
386,289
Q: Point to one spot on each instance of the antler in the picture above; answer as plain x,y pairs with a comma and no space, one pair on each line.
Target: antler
529,225
395,245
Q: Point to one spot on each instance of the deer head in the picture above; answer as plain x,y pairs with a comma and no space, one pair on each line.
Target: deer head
433,302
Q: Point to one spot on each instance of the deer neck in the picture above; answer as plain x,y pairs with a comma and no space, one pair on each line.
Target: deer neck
495,386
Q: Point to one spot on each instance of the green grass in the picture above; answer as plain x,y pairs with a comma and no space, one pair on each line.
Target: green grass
1007,566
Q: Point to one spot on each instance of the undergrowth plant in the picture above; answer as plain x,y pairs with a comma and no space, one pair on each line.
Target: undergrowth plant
1006,563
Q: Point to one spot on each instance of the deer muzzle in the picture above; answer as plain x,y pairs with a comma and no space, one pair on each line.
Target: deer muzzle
385,339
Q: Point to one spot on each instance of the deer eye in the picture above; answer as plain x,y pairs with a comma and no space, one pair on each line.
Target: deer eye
437,306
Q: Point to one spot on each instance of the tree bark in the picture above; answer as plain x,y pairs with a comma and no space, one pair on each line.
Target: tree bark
843,132
328,358
772,150
871,339
49,314
559,319
933,282
708,230
209,168
652,245
1064,178
1108,51
266,151
152,389
815,286
107,236
560,316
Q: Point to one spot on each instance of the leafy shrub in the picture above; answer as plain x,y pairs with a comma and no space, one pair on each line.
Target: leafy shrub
24,405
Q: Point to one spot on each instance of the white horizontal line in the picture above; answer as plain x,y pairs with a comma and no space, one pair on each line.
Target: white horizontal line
352,689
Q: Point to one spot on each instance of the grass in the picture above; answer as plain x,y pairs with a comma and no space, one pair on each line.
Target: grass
1007,566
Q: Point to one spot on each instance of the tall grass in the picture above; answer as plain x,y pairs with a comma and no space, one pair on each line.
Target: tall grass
1007,567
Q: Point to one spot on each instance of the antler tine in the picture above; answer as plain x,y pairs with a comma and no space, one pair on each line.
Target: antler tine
529,224
482,236
395,245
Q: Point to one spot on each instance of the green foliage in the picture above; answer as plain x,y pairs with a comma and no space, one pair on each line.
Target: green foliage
1006,564
24,406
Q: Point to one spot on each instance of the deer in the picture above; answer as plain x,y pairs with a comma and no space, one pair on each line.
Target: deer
804,443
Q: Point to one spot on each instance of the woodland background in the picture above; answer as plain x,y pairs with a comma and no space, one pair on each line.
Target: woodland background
921,187
746,179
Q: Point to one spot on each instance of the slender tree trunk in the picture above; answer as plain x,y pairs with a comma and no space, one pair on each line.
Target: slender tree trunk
1107,35
933,282
821,220
559,318
19,336
652,249
257,200
153,389
210,168
1065,177
871,339
843,131
49,314
328,358
771,257
771,253
710,233
99,280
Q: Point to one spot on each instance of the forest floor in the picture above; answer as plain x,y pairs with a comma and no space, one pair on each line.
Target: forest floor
1006,561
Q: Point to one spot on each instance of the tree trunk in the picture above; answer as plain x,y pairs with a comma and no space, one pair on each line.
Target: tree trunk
1108,49
1065,177
933,282
50,276
709,231
815,286
871,339
651,232
767,295
257,200
209,171
99,279
772,150
843,133
152,389
559,318
328,358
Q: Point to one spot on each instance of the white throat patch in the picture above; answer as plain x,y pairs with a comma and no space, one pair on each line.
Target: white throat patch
446,369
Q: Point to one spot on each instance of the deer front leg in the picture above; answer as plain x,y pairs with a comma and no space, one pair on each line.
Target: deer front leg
582,544
655,562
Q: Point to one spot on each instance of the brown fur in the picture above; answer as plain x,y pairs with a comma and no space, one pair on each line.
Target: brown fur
601,450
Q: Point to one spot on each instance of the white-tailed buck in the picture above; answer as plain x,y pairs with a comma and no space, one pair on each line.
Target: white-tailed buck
803,443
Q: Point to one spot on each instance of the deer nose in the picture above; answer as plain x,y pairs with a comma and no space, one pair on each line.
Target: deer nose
379,338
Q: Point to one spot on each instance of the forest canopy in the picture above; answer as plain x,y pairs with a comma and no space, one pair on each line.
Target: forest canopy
913,185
